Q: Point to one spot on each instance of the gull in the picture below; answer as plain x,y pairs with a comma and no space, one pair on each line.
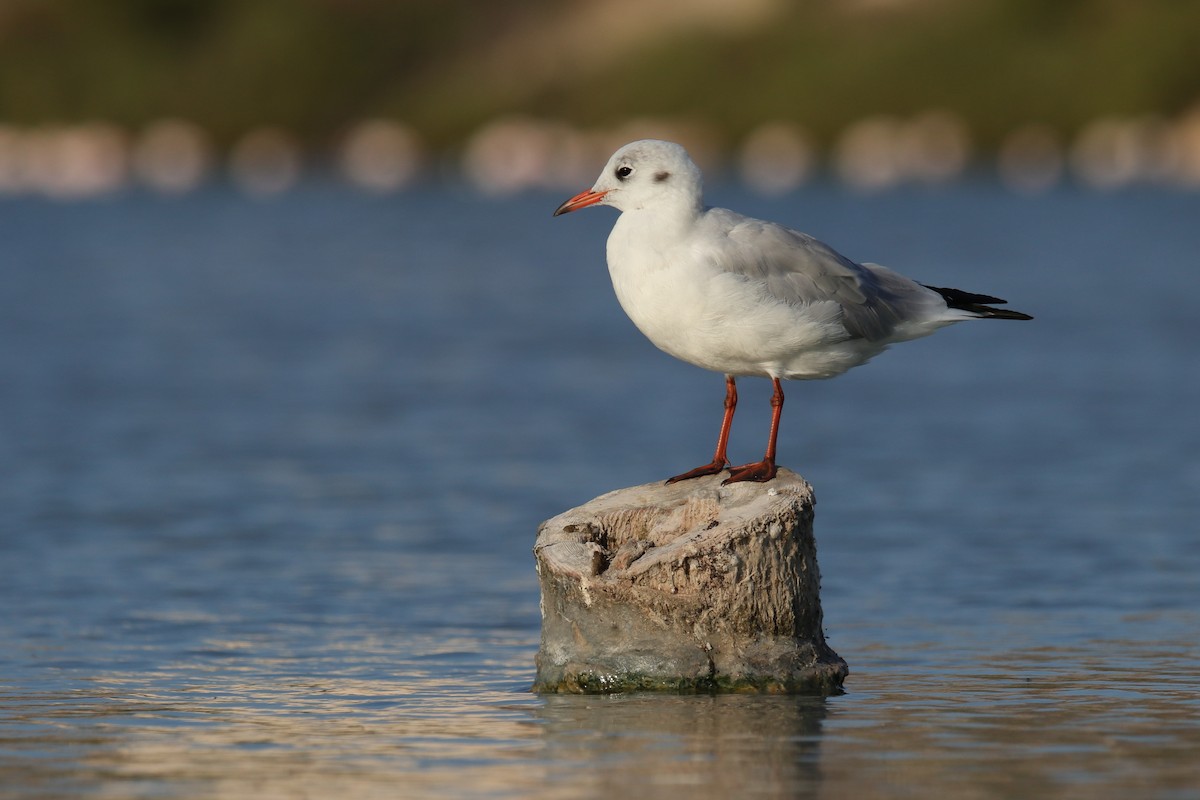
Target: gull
746,297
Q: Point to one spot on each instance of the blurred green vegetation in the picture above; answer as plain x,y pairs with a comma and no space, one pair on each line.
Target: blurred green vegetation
315,65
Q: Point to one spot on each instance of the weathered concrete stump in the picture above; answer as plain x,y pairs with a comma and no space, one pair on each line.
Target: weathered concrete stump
688,587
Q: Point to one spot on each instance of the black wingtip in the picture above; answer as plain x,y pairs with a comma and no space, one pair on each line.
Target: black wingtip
1000,313
980,304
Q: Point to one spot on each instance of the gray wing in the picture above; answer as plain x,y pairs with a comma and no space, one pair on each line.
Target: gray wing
798,269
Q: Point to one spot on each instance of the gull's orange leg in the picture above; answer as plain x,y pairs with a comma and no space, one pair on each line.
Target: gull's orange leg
719,458
764,470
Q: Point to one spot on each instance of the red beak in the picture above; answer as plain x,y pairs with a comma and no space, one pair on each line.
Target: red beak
581,200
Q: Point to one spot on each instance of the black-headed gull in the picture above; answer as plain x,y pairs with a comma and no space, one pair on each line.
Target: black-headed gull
747,297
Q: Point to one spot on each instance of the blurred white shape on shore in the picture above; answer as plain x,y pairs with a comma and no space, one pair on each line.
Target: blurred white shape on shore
513,154
507,155
64,162
172,156
579,156
865,154
265,161
1030,159
12,160
934,146
1185,167
1110,152
776,158
380,155
881,151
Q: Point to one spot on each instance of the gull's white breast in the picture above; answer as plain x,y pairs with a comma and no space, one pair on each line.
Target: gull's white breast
670,282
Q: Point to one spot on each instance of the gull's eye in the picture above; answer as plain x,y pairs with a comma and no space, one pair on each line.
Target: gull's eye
624,172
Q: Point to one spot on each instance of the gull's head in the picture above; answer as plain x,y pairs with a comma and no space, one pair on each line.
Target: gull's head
644,174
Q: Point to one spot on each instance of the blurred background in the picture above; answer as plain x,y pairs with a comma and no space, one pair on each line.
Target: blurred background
172,93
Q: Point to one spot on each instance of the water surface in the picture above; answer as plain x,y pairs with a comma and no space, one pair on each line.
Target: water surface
272,473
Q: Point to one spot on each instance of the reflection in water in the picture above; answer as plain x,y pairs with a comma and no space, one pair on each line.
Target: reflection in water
251,732
365,739
1113,719
718,747
1122,720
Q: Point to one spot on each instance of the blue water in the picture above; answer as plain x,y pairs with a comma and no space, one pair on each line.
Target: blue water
272,472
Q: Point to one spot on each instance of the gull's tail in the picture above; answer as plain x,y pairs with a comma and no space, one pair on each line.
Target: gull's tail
978,304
